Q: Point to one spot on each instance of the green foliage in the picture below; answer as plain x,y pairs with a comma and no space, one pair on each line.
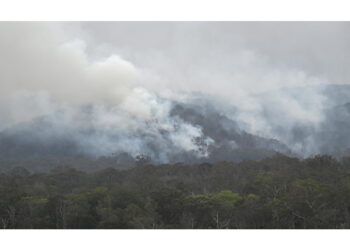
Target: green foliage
228,199
168,205
278,192
200,209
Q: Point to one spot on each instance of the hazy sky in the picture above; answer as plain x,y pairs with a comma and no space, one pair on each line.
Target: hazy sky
319,48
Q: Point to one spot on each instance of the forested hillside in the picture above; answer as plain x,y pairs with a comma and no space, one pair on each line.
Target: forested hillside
277,192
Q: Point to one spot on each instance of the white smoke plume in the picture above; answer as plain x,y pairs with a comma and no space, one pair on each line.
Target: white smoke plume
268,77
42,73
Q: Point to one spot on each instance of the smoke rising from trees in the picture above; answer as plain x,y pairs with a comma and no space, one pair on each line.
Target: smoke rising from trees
154,88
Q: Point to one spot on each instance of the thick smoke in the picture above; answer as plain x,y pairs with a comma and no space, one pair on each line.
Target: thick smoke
99,104
155,88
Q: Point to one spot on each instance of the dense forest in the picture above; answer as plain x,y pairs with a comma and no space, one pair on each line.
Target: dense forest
277,192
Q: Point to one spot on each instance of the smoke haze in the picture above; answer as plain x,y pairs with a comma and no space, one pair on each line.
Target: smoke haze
176,90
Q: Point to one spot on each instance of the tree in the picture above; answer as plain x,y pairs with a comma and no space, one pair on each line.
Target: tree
169,205
225,203
199,210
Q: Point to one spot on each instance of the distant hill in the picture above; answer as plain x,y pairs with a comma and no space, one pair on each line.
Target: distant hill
47,138
50,139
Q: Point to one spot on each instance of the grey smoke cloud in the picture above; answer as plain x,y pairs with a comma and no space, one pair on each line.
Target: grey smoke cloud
42,72
268,77
267,72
